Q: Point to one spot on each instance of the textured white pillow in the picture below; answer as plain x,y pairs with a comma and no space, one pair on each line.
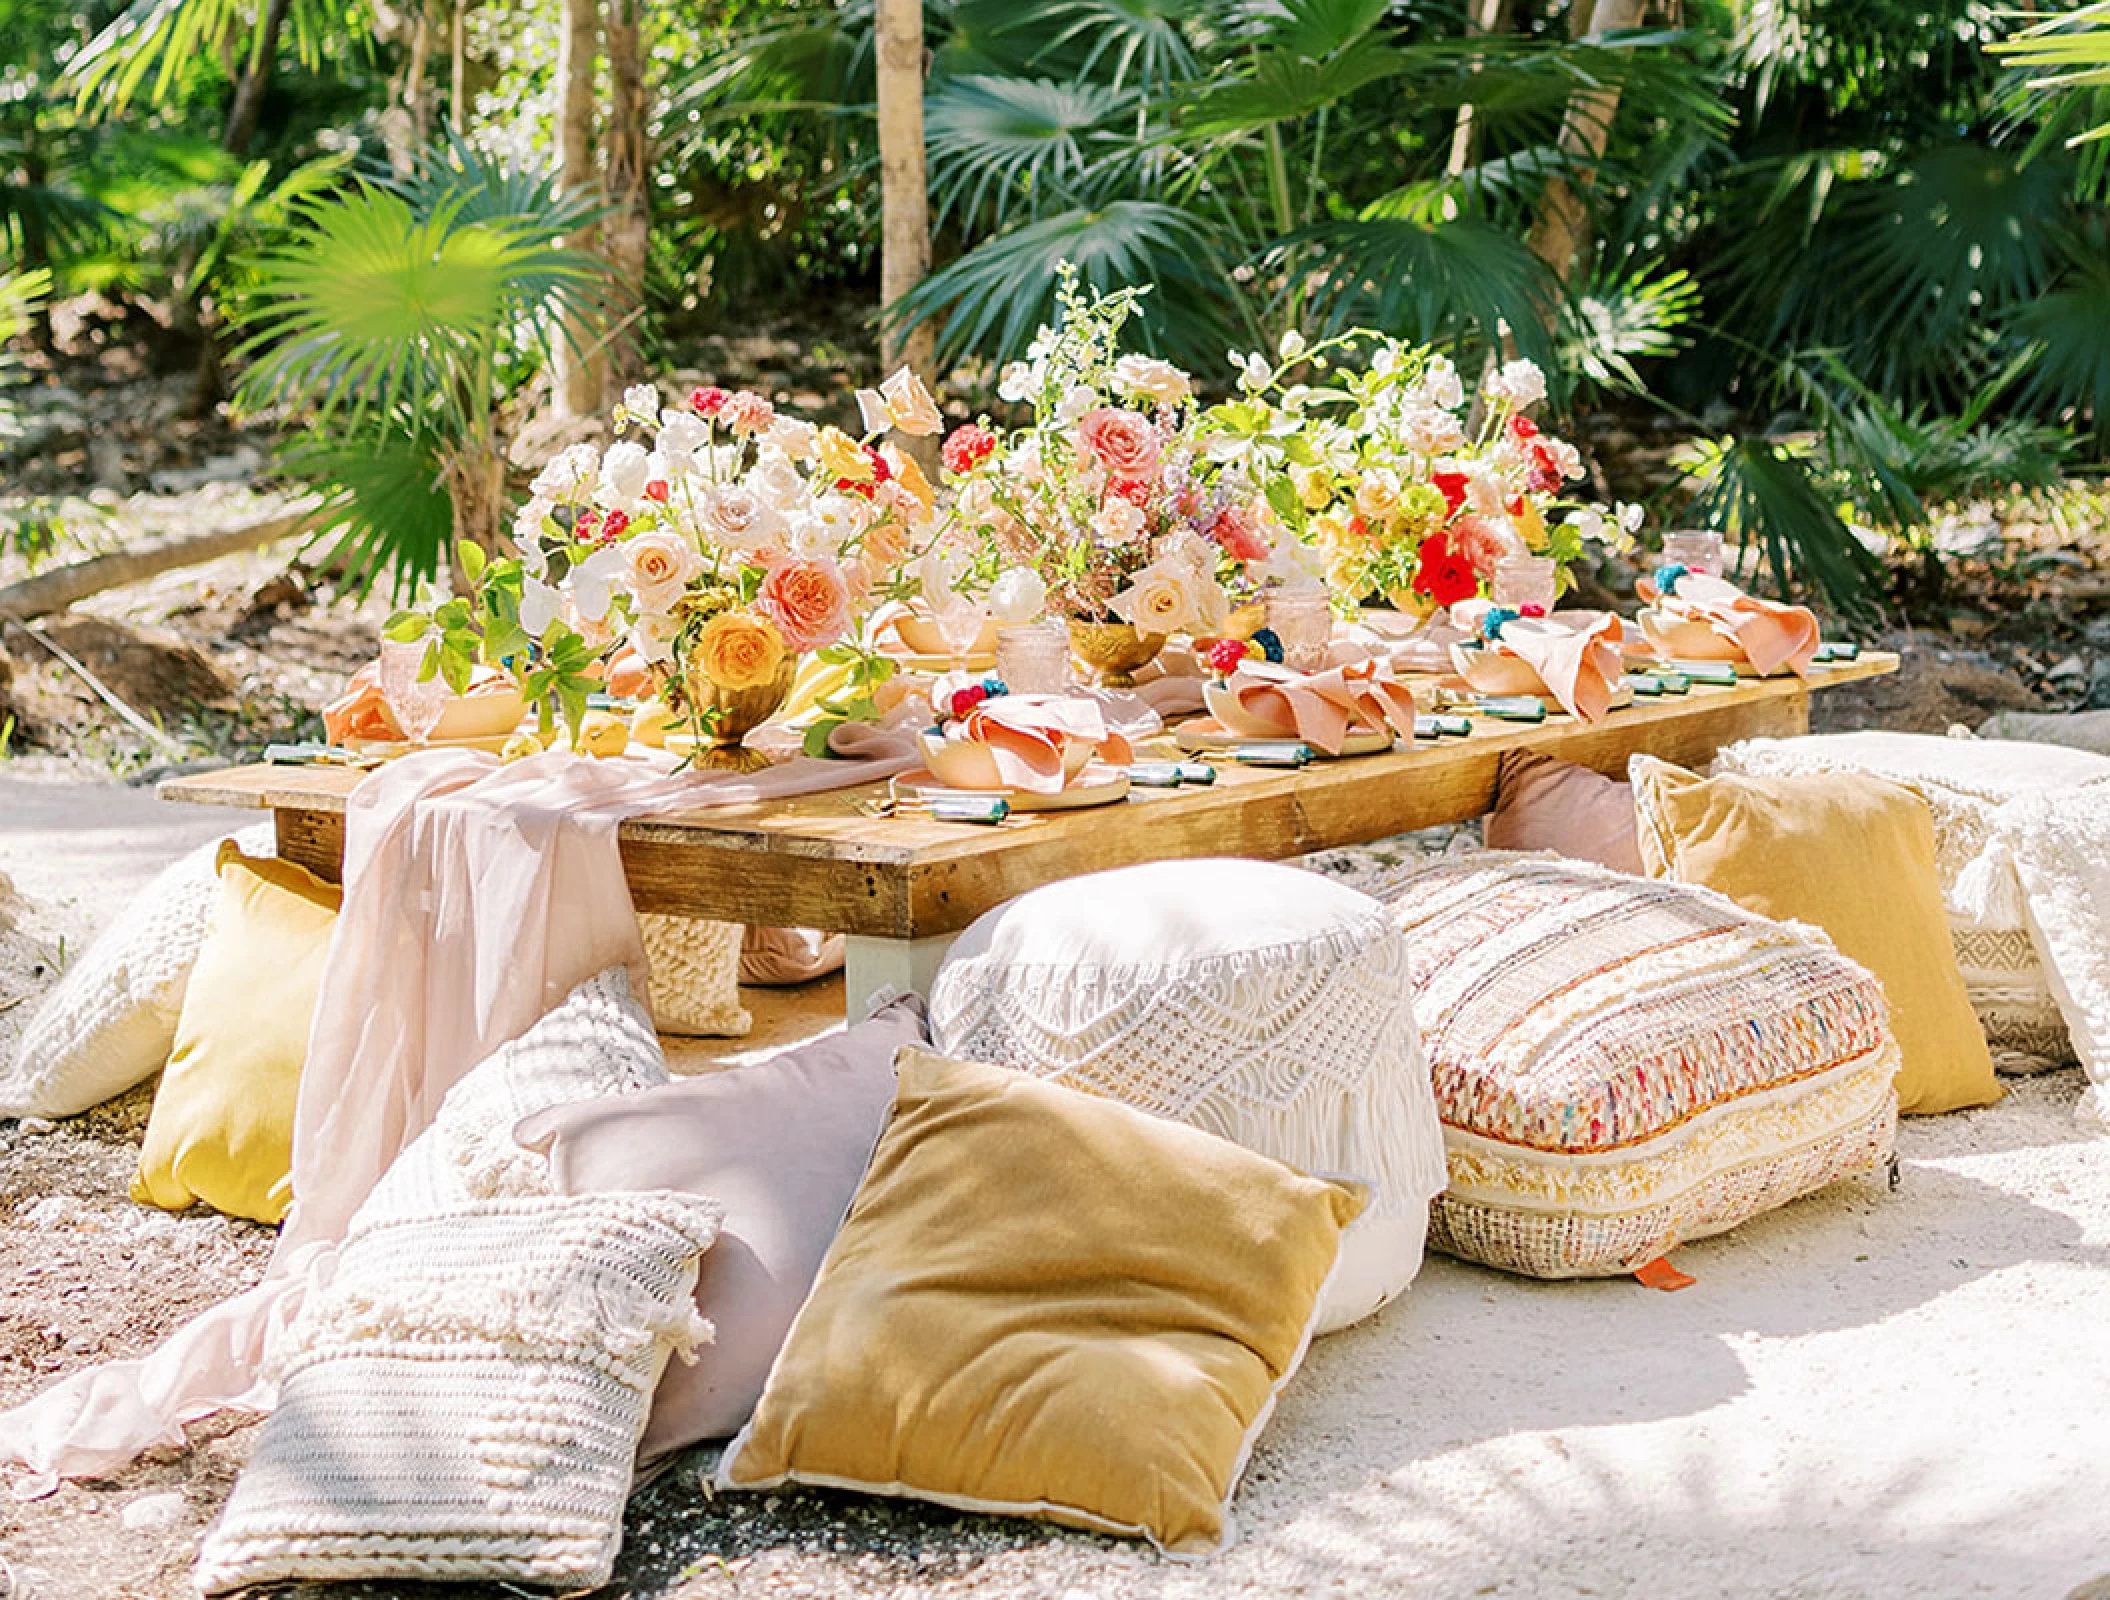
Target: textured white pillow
1259,1002
598,1042
695,976
110,1021
464,1399
1964,782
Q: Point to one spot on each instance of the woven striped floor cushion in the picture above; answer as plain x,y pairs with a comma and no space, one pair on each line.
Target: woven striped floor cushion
1258,1002
1964,782
464,1399
1622,1065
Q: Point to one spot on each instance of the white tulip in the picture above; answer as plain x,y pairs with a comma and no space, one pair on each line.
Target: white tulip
1018,595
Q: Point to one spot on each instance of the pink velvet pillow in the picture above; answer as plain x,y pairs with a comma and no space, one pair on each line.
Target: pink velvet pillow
1544,803
782,1145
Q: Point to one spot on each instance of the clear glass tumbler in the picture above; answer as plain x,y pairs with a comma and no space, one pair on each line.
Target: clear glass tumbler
1302,618
1522,582
1694,549
1034,657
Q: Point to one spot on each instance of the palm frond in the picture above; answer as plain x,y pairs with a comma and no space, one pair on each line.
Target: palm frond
385,507
1762,495
2068,330
999,146
1615,320
1118,43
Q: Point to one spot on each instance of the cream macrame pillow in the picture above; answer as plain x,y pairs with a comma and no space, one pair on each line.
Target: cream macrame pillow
111,1020
695,976
598,1042
1261,1003
464,1399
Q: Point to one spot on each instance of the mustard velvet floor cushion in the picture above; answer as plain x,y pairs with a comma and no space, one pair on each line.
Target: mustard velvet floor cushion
1851,855
221,1130
1623,1065
1047,1304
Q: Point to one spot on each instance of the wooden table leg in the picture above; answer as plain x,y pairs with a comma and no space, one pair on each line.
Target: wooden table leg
875,966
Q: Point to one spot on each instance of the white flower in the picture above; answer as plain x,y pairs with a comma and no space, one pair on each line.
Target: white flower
527,525
540,605
938,569
1629,516
909,405
1117,522
734,516
792,437
872,414
1080,399
1586,521
1017,383
1161,598
1430,431
1385,361
640,407
1292,345
1377,496
1253,371
592,580
1152,379
1440,385
652,637
1018,595
841,518
682,435
1565,456
1485,491
625,470
1516,384
568,475
811,538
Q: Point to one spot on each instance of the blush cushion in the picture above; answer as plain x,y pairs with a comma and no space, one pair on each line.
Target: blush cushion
1545,803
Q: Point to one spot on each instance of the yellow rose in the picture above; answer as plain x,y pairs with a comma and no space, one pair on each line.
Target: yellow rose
1331,533
1377,496
842,456
1531,525
739,650
1314,486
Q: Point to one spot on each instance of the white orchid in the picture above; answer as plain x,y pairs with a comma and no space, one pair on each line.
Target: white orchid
625,470
1516,384
639,407
592,581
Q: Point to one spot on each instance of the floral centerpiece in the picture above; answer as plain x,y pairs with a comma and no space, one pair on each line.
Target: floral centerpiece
1384,473
713,545
1100,508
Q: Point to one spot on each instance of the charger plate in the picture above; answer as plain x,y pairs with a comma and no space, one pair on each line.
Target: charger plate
1096,785
390,749
1207,736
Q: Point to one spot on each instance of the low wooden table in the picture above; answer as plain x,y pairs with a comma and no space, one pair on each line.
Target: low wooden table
902,887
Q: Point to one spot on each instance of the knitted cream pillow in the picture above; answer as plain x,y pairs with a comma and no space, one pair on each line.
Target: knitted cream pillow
464,1398
111,1020
1262,1003
695,976
598,1042
1964,783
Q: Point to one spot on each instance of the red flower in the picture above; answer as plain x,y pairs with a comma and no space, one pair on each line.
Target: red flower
965,700
657,491
1133,490
1237,537
1225,656
614,528
1443,575
708,402
881,472
966,448
1545,476
1531,608
1522,428
583,525
855,486
1451,485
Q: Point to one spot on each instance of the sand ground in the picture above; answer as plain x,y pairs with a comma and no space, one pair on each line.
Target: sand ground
1866,1394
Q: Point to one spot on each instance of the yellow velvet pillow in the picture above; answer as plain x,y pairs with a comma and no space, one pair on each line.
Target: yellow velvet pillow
1048,1304
1853,856
222,1126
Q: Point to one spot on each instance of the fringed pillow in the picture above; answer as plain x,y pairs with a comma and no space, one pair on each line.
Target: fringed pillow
111,1020
695,976
463,1400
1259,1002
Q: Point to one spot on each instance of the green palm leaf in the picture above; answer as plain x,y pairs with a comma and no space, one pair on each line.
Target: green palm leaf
997,145
1757,492
2068,328
385,506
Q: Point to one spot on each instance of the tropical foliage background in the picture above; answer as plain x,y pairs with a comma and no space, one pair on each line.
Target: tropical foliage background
1856,252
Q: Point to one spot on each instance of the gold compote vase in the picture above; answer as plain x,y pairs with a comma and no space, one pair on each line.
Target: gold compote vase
725,717
1113,650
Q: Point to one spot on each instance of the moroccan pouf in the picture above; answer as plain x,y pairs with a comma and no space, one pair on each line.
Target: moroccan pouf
1261,1003
1622,1065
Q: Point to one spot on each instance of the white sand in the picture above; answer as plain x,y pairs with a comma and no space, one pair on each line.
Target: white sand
1867,1394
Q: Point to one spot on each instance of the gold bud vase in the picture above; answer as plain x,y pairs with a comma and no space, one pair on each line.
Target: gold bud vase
1113,650
726,717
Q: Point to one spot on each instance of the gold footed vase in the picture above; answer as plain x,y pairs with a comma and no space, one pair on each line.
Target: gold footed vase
727,716
1113,650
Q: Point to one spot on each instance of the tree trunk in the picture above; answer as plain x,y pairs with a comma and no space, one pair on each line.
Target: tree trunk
904,188
458,66
417,83
626,230
579,377
249,90
1487,16
60,587
1561,235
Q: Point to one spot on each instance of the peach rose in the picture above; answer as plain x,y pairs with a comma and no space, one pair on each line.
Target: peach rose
842,456
738,650
808,600
1484,541
1153,379
661,565
910,404
1124,443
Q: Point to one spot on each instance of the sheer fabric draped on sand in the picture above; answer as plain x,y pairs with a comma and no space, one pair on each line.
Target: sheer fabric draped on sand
477,896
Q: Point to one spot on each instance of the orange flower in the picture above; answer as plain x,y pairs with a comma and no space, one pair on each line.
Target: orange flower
808,600
739,650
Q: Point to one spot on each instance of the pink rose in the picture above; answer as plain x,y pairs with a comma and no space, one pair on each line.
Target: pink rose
1483,541
1235,534
808,601
1124,442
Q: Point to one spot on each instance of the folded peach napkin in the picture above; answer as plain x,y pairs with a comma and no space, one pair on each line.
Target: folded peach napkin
361,711
1321,707
1027,735
1575,655
1691,611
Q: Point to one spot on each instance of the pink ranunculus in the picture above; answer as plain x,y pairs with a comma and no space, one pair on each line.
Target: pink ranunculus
1124,442
748,413
808,601
1234,533
1483,541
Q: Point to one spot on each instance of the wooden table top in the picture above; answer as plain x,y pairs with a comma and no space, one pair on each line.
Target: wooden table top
818,861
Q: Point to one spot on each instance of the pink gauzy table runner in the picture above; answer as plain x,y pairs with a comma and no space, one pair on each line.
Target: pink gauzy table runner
477,896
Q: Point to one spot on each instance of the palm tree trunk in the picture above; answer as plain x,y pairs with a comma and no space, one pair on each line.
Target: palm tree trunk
626,231
248,104
1487,16
458,66
579,377
1561,235
904,188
